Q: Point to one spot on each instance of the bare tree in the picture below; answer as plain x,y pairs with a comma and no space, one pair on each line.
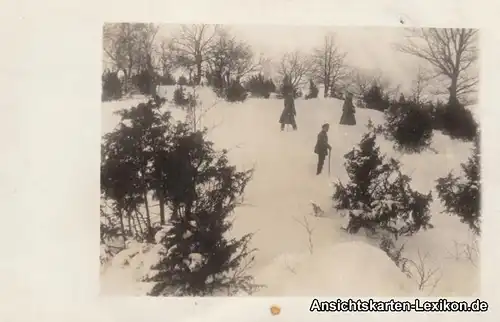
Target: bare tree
420,84
451,52
230,58
146,39
120,47
129,46
192,45
360,81
309,231
425,277
295,67
328,63
166,59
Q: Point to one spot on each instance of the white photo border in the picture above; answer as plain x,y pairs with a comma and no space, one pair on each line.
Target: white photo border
50,267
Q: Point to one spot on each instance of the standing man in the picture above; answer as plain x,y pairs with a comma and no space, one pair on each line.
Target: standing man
322,147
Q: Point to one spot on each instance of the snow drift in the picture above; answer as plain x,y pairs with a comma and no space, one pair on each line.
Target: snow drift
281,191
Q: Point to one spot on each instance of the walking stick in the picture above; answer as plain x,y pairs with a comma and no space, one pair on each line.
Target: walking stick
329,154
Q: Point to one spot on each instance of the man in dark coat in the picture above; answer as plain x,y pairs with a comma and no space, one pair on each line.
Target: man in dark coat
322,147
288,114
348,111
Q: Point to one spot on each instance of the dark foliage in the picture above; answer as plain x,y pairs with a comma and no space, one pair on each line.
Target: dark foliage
145,82
111,87
202,190
375,99
180,98
128,161
313,90
235,92
461,196
166,80
336,92
456,121
378,196
408,125
148,155
258,86
182,81
287,87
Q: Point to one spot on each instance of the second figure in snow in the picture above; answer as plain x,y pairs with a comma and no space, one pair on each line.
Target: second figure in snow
289,113
348,111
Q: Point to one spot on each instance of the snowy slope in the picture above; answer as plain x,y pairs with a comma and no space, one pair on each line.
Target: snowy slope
279,197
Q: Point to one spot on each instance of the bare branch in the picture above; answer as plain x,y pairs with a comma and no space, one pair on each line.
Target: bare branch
420,84
289,267
309,230
328,64
468,251
230,59
451,53
424,276
295,67
191,47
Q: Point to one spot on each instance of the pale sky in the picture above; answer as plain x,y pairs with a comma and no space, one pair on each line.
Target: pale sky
366,47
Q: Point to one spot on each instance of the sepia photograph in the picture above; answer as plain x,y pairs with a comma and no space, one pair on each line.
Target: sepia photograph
275,160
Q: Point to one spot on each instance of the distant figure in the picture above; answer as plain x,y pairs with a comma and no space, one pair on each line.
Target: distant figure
322,147
348,111
288,114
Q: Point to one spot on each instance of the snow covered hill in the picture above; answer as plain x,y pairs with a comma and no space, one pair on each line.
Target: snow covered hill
279,197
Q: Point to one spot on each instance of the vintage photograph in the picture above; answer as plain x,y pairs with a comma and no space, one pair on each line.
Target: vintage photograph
273,160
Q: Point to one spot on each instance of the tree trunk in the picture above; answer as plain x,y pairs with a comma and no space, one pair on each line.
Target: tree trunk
149,233
129,222
199,62
134,225
137,213
162,206
122,227
327,87
453,89
128,77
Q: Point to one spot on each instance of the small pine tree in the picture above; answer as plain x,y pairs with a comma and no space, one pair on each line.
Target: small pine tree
145,82
128,161
203,189
461,195
437,111
167,79
258,86
271,87
335,92
235,92
378,196
180,96
375,99
408,125
457,121
111,87
313,90
182,81
192,109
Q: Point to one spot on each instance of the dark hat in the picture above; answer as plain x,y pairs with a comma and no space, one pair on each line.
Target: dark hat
325,125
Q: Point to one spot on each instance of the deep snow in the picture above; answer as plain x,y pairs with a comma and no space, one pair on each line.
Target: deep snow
279,197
